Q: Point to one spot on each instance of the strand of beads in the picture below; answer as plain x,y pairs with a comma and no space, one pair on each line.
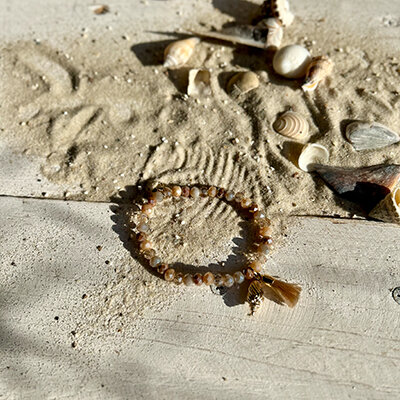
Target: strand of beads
253,268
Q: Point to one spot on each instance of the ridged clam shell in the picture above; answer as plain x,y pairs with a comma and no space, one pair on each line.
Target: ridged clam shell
388,210
199,83
242,82
279,9
293,125
178,53
319,68
312,155
368,136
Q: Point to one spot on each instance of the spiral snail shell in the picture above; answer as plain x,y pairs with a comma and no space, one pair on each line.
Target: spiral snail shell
178,53
292,125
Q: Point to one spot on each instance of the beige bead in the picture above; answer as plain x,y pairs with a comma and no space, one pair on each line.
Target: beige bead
195,192
239,196
198,279
264,248
169,275
143,227
259,215
256,266
212,191
176,191
155,262
188,280
167,192
228,280
265,231
245,203
208,278
229,196
149,253
157,196
238,277
145,245
147,209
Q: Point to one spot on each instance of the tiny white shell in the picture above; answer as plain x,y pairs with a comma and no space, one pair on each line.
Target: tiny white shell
242,82
388,209
275,32
311,155
178,53
199,83
293,125
279,9
291,61
318,69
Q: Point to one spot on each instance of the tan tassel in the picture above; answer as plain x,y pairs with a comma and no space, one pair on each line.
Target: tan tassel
287,293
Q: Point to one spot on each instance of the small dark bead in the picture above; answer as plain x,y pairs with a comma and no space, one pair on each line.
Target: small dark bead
167,192
248,273
253,208
197,279
218,280
185,191
141,236
162,268
203,192
152,201
220,193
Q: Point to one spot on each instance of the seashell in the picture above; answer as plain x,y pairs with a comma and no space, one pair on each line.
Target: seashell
365,186
267,33
291,61
242,82
292,124
278,9
199,83
318,69
368,136
312,155
178,53
388,209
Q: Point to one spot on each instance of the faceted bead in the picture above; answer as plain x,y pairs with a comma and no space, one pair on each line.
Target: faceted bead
198,279
145,245
152,202
228,280
245,203
143,227
188,280
167,192
239,196
256,266
218,280
220,193
229,196
195,192
259,215
208,278
264,222
157,196
176,191
147,209
155,262
265,231
204,192
149,253
212,191
162,268
178,278
238,277
186,191
264,248
249,273
141,236
253,207
169,275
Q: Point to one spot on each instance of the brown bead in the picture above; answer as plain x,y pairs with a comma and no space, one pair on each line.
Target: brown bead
248,273
141,236
162,268
176,191
208,278
238,197
178,278
220,193
265,231
145,245
258,215
212,191
253,208
204,192
167,192
229,196
198,279
195,192
264,222
186,191
169,275
188,280
256,266
149,253
218,280
245,203
147,209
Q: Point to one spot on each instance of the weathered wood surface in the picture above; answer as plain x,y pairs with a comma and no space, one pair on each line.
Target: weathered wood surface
341,341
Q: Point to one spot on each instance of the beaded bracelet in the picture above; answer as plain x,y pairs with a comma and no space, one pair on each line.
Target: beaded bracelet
260,285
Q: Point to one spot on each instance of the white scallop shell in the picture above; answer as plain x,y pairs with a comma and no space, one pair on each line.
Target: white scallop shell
280,9
368,136
178,53
293,125
311,155
242,82
318,69
199,83
291,61
388,209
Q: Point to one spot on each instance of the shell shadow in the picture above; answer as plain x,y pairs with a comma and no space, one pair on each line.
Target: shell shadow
343,126
243,11
127,202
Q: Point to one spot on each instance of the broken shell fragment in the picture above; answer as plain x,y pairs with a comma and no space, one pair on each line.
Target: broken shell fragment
368,136
178,53
388,209
199,83
242,82
278,9
365,186
312,154
291,61
275,32
292,125
318,69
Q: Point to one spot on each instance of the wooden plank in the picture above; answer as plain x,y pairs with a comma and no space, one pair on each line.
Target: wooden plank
137,337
